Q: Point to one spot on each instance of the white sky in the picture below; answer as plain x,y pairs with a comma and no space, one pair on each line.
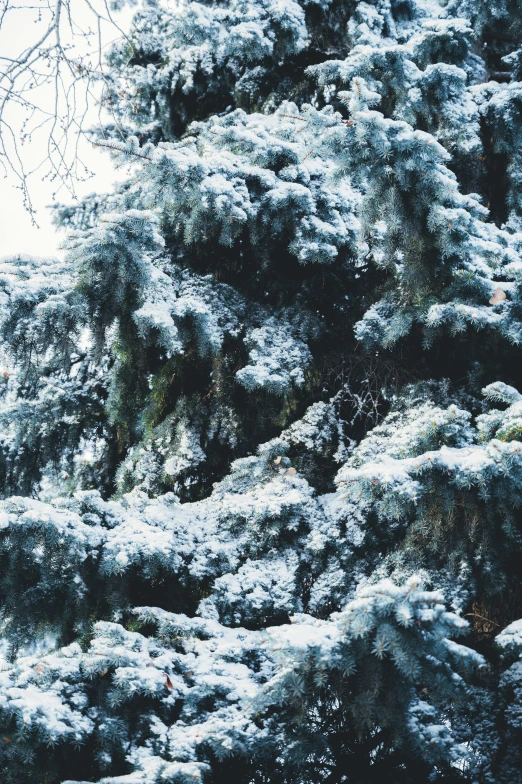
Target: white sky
17,234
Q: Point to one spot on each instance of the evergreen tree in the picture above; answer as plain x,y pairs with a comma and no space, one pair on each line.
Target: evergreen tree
261,433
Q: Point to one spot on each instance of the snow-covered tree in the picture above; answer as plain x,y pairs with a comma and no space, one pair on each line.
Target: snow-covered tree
261,433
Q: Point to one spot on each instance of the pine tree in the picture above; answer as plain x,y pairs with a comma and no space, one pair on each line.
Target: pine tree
261,428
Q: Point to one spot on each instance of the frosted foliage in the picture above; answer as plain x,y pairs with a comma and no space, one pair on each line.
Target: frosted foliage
391,58
504,425
174,305
276,359
277,356
429,731
188,453
415,431
170,456
176,297
216,35
261,427
202,44
384,619
247,513
511,636
320,431
192,660
223,182
207,662
391,467
41,288
256,588
316,429
45,695
396,66
501,393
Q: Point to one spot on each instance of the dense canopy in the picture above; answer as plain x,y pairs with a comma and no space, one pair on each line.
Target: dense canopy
260,427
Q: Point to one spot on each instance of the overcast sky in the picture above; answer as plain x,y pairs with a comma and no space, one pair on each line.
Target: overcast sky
17,234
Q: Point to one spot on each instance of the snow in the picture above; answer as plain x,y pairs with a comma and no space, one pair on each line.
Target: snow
282,579
511,636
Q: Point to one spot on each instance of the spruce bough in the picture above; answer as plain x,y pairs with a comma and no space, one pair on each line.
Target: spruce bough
261,427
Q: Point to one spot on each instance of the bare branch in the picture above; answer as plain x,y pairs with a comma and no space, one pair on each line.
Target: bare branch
52,86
